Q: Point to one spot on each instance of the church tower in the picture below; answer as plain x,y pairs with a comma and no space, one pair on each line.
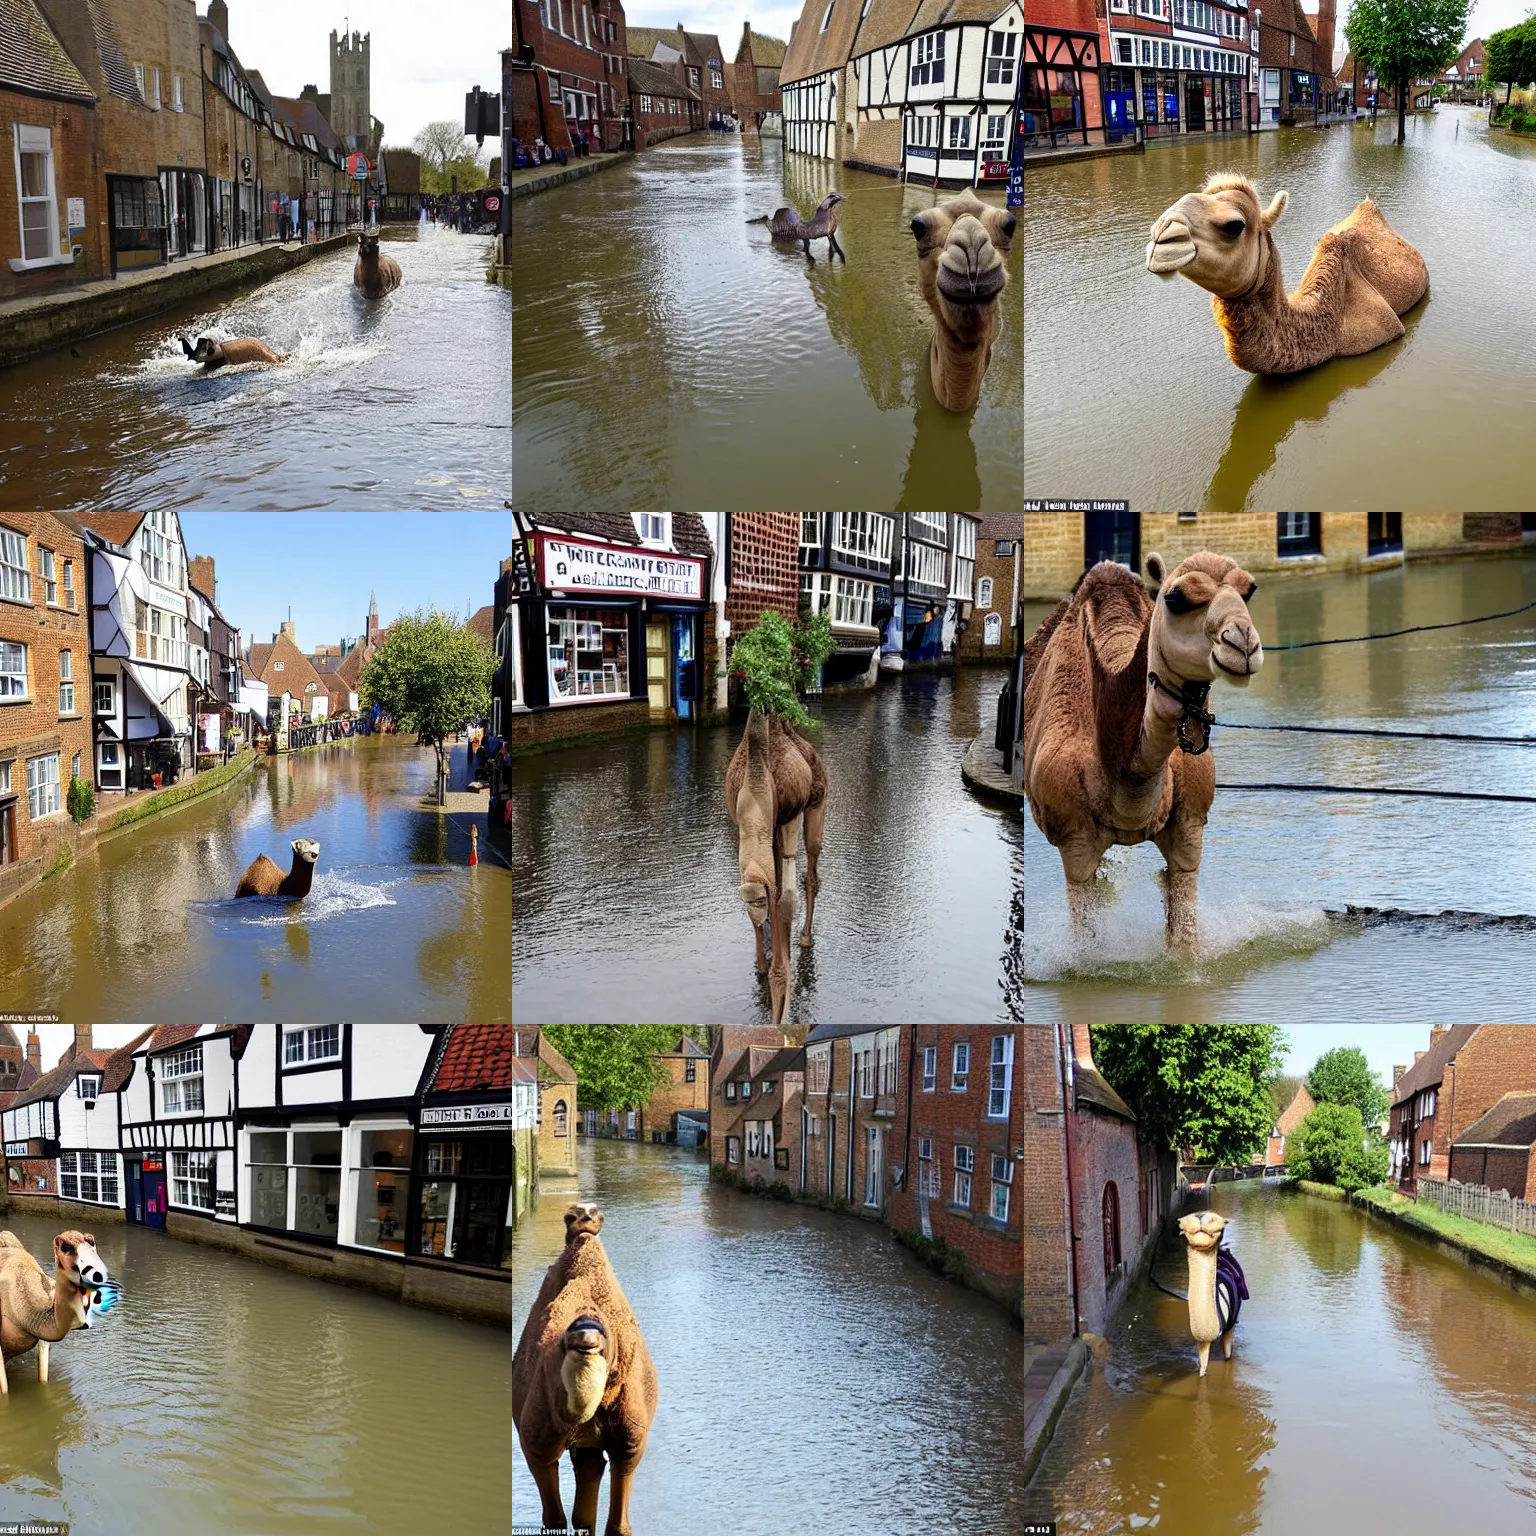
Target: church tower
351,112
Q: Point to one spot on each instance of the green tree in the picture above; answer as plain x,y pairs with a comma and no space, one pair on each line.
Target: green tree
1511,57
1331,1147
1283,1090
616,1066
1204,1087
1342,1076
431,676
1403,40
775,661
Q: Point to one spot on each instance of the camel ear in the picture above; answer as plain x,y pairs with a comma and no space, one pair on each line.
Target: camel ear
1154,572
1275,209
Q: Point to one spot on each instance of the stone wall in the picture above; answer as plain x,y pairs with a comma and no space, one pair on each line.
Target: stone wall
537,727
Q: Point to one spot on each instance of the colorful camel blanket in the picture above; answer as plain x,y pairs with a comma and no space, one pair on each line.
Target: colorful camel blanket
1231,1288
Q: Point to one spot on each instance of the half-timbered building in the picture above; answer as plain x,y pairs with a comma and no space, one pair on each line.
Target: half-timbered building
1061,100
845,572
815,81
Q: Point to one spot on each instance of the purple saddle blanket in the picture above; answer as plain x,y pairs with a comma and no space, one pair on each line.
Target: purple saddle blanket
1231,1288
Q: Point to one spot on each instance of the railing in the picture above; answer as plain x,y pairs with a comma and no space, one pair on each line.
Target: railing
1476,1202
323,731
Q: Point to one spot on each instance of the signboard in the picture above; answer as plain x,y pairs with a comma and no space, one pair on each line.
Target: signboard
15,1149
994,170
76,211
492,204
574,565
358,167
468,1114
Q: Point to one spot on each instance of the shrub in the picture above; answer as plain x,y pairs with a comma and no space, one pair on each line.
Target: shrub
1330,1147
780,1190
81,800
775,661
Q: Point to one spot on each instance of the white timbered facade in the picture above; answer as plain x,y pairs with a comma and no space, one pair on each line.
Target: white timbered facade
954,88
810,114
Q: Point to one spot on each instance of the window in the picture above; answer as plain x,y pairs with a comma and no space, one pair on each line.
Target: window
629,1123
817,1069
181,1082
177,102
963,577
269,1178
810,530
1384,532
996,137
866,1089
1000,58
43,786
769,1084
69,583
746,1090
690,1070
192,1179
865,535
88,1176
1111,1229
66,682
965,1163
13,670
887,1061
316,1168
277,666
1000,1086
930,1067
88,1087
959,133
111,768
322,1043
717,80
960,1066
15,577
1002,1178
52,586
825,20
383,1178
927,60
984,592
37,204
754,1144
154,85
925,565
730,1093
1299,533
588,652
872,1166
733,1149
1424,1151
854,603
654,528
74,766
1428,1107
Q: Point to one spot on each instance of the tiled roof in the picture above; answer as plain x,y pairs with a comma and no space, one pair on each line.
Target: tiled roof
814,51
1510,1123
119,1063
53,1082
165,1037
790,1059
474,1056
118,527
8,1038
653,80
1001,525
483,624
296,672
841,1031
351,668
33,59
1430,1067
115,67
689,536
1092,1088
766,51
1302,1104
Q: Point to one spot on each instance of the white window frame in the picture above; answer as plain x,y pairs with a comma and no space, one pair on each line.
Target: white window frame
854,602
91,1080
960,1075
178,101
50,576
1000,51
874,1167
730,1093
818,1063
984,592
733,1149
66,683
1002,1180
962,583
930,1068
754,1141
866,1074
863,534
826,20
30,139
178,1070
1000,1079
39,785
312,1039
191,1173
15,568
965,1167
746,1091
654,529
1426,1149
14,685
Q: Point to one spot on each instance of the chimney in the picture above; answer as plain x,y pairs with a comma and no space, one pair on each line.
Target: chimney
1437,1033
218,14
1325,24
200,571
34,1051
82,1038
286,628
1082,1046
1397,1072
1418,1056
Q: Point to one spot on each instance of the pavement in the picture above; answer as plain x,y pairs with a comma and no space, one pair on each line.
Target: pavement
982,769
1048,1378
528,179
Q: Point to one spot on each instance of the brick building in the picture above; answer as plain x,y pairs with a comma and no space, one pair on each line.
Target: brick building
1302,1104
758,1103
696,58
1467,1069
991,634
1288,64
577,83
1495,1151
853,1137
284,668
662,106
755,91
764,568
1060,546
45,689
686,1089
737,1050
556,1121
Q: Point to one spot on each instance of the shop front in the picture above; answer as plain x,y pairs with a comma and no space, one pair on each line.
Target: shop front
463,1185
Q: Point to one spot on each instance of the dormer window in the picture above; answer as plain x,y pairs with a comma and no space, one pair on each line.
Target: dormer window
654,528
88,1086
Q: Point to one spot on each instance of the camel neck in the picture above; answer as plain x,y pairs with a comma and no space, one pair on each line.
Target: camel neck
1159,722
1203,1319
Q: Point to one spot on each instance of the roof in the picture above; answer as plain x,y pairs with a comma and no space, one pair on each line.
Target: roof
653,80
51,1083
297,672
483,623
475,1056
814,51
306,117
115,527
841,1031
790,1059
115,68
1427,1071
522,1073
558,1066
33,59
689,536
1510,1123
697,47
1302,1104
1090,1087
119,1064
1001,525
765,50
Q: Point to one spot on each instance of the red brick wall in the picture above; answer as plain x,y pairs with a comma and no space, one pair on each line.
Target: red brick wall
76,173
765,571
1514,1171
1498,1059
654,126
678,1094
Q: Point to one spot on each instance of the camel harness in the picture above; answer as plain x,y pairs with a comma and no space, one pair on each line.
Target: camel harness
1192,697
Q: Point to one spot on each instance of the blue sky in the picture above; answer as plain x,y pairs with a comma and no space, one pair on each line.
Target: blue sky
1385,1045
325,564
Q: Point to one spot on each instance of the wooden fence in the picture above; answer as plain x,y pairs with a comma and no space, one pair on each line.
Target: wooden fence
1493,1207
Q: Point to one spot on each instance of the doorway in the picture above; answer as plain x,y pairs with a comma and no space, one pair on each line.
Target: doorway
656,640
134,1168
1112,536
154,1193
685,666
1194,108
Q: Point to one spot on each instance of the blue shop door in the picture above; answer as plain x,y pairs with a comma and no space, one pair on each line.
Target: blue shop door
1121,107
154,1197
685,666
1112,536
136,1192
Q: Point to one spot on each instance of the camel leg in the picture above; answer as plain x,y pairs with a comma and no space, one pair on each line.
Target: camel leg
589,1464
762,952
546,1477
1205,1358
1181,849
618,1499
833,248
5,1386
1226,1342
1080,864
808,256
42,1359
783,914
815,820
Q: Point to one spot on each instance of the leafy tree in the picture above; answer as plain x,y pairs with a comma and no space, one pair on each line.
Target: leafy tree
1403,40
431,676
1511,57
1331,1147
1342,1076
775,661
1283,1090
616,1066
1205,1087
440,142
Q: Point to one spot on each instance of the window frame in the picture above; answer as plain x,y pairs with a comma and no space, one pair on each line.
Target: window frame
1000,1088
20,147
15,580
960,1077
8,673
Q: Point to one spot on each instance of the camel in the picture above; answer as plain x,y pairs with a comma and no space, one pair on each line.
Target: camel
1217,1289
961,273
264,878
786,224
374,275
1115,727
774,782
1362,276
241,349
583,1381
33,1313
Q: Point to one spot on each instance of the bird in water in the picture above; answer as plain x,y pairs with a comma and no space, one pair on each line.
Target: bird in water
786,224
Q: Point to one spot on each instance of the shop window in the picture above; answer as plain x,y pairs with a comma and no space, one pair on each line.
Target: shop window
382,1174
89,1176
1384,533
192,1179
465,1210
316,1181
269,1178
588,653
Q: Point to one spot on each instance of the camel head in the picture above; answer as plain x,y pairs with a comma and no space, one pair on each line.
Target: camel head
587,1361
1203,1230
305,849
1217,237
204,349
582,1220
831,200
960,268
368,243
75,1257
1201,628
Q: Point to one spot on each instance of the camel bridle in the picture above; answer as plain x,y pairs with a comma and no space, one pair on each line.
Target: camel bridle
1191,697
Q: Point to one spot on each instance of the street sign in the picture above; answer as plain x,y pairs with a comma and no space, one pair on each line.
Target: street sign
358,167
492,204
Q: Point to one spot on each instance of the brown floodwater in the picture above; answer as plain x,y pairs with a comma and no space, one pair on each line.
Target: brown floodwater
222,1395
1375,1385
1130,393
813,1376
402,403
667,354
397,926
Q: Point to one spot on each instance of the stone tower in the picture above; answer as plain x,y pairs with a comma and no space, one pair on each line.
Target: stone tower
351,113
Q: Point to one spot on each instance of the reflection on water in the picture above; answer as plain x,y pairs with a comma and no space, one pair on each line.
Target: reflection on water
1373,1383
224,1395
1276,865
145,427
750,378
626,871
397,927
812,1376
1418,424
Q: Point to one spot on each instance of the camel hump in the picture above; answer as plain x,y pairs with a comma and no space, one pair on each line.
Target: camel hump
1392,266
9,1240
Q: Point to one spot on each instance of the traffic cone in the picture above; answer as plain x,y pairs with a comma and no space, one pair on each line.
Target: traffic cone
474,846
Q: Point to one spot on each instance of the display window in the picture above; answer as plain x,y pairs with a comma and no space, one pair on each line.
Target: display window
588,653
464,1199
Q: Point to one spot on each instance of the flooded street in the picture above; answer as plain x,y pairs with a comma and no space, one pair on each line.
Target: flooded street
1132,395
397,404
1374,1385
1277,865
226,1395
749,378
397,927
626,871
813,1375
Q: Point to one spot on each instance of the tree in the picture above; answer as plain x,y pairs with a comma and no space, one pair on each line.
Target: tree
616,1066
440,142
775,662
1283,1090
1204,1087
1511,57
431,676
1342,1076
1331,1147
1403,40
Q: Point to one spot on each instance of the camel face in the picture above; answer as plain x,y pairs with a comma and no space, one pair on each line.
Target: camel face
960,250
1217,237
1203,1231
1201,627
582,1220
306,848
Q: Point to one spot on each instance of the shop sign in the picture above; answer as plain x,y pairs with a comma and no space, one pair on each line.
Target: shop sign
572,565
15,1149
467,1114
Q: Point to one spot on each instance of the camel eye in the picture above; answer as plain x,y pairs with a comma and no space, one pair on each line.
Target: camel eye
1253,587
1009,225
1178,601
1232,228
